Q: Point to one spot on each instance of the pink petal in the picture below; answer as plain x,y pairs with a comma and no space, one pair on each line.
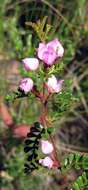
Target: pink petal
51,84
60,50
49,56
41,50
59,86
53,43
57,46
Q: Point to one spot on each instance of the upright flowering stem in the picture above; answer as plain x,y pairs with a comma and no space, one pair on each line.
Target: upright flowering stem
48,53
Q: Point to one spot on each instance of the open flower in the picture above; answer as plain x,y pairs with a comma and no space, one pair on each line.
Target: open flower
26,85
47,162
53,85
31,64
46,147
50,52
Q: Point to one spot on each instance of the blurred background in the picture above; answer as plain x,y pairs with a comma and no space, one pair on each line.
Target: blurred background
69,20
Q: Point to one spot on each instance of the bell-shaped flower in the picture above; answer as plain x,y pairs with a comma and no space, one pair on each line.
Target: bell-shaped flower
47,162
26,85
49,52
53,85
46,147
31,64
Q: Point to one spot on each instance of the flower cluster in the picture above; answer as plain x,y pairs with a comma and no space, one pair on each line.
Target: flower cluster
48,54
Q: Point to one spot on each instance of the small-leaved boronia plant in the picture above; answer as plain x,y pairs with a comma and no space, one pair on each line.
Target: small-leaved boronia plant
39,145
47,54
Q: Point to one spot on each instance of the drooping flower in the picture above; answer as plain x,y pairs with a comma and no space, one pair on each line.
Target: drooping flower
51,51
26,85
47,162
31,64
53,85
46,147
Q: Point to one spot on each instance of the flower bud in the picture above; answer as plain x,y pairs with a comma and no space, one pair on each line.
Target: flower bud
53,85
47,162
26,85
31,64
46,147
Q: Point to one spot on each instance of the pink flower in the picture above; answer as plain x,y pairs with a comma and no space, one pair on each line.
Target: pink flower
50,52
47,162
26,85
46,147
31,63
54,85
